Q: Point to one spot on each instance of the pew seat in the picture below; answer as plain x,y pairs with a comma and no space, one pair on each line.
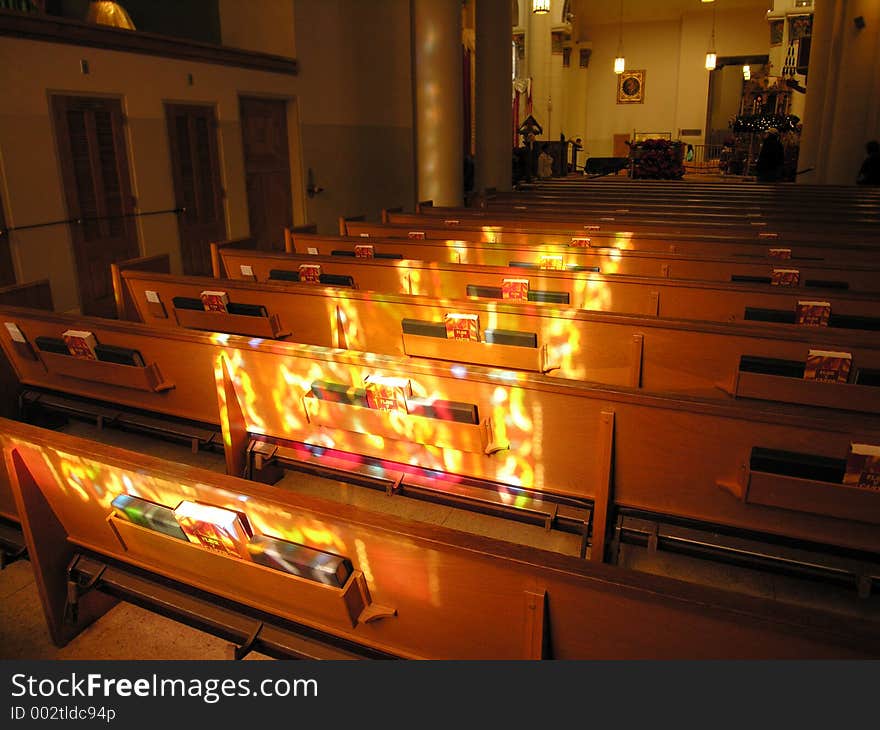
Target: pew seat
412,590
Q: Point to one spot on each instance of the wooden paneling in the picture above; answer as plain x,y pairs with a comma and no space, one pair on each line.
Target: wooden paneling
195,167
97,187
267,170
429,592
668,456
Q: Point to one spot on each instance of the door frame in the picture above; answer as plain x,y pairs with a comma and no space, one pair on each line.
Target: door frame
294,150
216,142
68,177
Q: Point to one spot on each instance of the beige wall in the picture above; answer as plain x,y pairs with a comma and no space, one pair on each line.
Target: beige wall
672,53
271,30
726,96
576,88
31,169
356,106
349,119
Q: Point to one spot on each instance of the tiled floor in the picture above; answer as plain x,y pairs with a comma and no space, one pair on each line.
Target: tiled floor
128,632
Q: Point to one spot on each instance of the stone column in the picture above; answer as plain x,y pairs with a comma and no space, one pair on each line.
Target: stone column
538,43
821,97
493,94
439,124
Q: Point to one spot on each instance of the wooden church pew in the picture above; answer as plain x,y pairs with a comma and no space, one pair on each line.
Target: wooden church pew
690,190
415,590
699,300
708,360
673,218
528,438
814,209
548,427
559,230
553,220
609,260
759,198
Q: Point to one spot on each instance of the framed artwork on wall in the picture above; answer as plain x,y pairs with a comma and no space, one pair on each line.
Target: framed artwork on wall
777,27
631,87
800,26
642,136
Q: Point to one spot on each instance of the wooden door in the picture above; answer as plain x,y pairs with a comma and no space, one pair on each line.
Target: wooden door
7,271
97,187
195,169
621,149
267,170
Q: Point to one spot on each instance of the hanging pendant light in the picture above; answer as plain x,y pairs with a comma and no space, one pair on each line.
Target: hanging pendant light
711,58
539,7
747,72
105,12
619,61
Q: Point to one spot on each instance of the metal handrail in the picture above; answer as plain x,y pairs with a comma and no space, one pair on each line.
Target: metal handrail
80,221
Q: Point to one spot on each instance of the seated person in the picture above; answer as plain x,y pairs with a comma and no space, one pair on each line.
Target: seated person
869,172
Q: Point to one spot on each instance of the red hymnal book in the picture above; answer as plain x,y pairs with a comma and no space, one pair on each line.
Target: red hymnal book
364,251
81,344
515,289
386,393
462,327
863,466
828,366
214,301
310,272
215,528
813,313
551,262
785,277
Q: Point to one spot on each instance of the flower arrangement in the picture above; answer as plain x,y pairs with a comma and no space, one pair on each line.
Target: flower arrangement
657,159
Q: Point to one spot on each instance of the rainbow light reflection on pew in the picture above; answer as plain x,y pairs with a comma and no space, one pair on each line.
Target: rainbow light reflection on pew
281,388
96,483
93,484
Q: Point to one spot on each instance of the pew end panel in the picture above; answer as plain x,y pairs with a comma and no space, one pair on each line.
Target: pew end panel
217,270
36,294
50,553
292,232
388,211
125,308
343,222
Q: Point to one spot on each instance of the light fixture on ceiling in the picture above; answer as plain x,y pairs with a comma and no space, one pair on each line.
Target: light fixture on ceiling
619,62
747,72
539,7
710,54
